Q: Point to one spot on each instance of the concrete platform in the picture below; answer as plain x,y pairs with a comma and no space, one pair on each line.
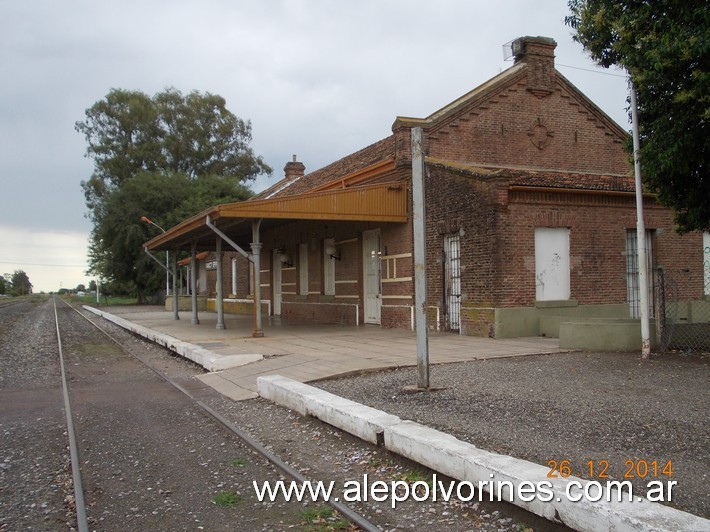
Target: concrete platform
303,351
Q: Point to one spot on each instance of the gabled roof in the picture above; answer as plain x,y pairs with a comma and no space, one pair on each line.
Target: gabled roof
481,92
381,150
498,84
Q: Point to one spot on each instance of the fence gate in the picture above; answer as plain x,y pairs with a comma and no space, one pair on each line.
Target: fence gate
683,317
452,251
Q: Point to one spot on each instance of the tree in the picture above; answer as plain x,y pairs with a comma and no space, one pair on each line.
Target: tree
3,286
21,285
167,157
664,45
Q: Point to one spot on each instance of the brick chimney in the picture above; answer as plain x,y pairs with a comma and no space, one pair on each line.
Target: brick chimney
539,54
294,169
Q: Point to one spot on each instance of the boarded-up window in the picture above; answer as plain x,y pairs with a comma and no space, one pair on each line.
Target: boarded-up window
552,263
303,269
234,276
328,268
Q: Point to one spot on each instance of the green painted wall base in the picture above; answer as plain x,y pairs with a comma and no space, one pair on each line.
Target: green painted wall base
185,303
604,334
545,317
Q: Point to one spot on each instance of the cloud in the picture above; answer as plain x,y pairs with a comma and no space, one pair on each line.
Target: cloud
317,78
51,259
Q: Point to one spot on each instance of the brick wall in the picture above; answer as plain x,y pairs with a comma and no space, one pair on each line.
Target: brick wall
457,204
528,118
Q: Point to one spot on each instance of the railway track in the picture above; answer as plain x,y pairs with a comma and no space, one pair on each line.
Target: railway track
74,437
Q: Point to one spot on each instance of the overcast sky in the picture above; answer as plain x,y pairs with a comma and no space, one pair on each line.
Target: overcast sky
317,78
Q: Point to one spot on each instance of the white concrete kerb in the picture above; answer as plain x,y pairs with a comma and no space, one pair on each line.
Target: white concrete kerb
209,360
362,421
463,461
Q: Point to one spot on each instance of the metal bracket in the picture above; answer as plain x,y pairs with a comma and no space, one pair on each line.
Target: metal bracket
208,223
156,260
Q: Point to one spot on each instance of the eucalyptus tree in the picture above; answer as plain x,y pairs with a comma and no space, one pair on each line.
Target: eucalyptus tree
166,157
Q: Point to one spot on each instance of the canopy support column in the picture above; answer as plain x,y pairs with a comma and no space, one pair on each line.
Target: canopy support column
193,283
258,332
176,295
220,290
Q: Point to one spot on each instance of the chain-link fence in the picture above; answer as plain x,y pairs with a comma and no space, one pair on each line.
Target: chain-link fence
682,309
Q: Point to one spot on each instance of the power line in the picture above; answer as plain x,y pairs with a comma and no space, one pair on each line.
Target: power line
592,71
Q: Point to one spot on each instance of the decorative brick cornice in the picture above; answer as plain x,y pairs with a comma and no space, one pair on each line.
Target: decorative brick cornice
553,218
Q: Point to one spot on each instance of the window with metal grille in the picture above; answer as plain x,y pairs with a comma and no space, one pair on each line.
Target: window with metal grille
452,250
633,296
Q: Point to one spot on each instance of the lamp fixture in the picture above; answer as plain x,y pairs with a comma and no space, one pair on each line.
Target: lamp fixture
285,259
333,252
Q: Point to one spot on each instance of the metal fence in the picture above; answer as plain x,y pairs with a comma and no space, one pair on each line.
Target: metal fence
682,314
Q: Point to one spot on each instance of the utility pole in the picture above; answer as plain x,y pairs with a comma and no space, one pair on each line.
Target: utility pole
644,313
419,227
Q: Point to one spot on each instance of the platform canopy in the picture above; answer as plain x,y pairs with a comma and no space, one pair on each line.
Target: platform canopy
386,202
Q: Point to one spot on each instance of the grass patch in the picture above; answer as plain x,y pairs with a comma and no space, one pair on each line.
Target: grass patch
238,462
414,475
227,499
323,518
104,349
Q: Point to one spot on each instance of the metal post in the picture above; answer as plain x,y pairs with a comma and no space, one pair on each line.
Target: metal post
419,227
258,332
640,233
220,291
176,296
193,283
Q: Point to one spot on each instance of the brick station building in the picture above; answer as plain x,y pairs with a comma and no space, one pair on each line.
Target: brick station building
530,220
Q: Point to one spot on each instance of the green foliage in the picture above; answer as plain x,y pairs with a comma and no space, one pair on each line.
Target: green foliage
227,499
167,157
21,285
323,518
413,475
664,45
3,286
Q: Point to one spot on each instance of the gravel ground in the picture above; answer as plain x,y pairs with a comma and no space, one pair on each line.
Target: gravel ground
577,407
152,461
34,480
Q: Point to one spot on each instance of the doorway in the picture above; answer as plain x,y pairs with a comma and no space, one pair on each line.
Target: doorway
276,289
372,276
